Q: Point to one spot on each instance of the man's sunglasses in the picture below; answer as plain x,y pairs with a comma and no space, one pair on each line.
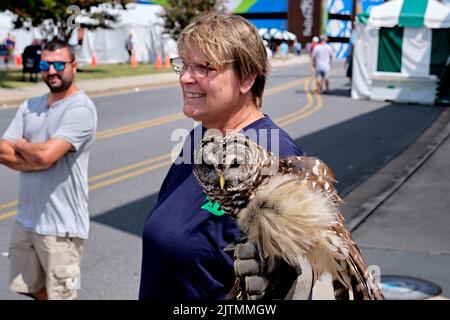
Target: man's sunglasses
58,65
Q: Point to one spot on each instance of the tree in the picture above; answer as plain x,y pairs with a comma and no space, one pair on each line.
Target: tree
179,13
57,17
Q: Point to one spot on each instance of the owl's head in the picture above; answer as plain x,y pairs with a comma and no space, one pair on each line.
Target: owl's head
230,164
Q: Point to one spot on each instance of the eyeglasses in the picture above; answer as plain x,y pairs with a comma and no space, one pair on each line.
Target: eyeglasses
58,65
199,69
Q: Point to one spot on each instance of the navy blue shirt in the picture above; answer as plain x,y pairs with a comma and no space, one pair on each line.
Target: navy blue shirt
185,234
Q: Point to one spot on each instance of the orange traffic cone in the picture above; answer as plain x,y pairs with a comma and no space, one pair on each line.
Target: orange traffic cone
93,59
133,61
158,63
166,61
18,60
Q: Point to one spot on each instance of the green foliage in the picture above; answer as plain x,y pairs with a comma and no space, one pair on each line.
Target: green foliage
179,13
48,14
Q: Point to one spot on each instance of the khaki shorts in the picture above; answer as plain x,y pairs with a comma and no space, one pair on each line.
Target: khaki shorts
38,261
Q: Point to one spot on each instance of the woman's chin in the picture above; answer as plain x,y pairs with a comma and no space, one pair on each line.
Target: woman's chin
191,112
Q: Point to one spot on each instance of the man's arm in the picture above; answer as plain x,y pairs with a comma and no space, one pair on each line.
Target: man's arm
42,154
13,160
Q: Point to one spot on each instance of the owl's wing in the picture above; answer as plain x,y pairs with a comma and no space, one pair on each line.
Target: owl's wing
317,174
314,172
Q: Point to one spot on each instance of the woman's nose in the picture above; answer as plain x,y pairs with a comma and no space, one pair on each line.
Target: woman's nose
187,75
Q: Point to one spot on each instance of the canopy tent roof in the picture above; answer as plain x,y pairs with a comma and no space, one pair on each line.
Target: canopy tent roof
6,20
135,14
410,13
274,33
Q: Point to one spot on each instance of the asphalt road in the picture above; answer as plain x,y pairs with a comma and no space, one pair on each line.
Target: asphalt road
138,131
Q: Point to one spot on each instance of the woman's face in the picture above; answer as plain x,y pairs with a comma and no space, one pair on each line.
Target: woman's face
213,99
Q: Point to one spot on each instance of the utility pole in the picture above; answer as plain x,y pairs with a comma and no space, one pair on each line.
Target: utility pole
354,14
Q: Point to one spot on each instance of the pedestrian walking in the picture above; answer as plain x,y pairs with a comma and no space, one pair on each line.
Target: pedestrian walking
298,48
309,49
49,141
284,50
322,56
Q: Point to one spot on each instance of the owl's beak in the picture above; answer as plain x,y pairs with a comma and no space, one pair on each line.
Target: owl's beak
222,181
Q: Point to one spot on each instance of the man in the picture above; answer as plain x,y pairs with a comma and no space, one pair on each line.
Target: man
31,59
129,45
284,50
49,141
322,55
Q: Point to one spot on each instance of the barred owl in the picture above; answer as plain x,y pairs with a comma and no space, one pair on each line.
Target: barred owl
287,207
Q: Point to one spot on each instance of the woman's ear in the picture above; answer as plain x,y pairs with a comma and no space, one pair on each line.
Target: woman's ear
247,84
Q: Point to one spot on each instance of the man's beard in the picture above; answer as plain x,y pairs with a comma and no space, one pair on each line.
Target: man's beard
62,86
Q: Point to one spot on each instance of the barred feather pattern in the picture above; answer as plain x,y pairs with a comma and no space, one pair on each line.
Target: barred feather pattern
287,207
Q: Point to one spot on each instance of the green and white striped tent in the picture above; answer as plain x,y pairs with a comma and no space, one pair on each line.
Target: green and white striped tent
402,52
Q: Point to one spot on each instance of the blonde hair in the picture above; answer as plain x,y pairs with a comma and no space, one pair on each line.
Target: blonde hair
222,36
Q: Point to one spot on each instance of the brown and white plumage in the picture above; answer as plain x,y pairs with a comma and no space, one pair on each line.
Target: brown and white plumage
287,207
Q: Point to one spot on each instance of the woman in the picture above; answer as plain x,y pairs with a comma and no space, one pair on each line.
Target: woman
222,68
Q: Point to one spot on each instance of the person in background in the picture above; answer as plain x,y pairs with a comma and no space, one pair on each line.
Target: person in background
31,58
310,46
129,45
284,50
10,43
298,48
49,142
309,49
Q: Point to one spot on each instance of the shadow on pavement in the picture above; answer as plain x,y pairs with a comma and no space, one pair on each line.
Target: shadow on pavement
355,149
130,217
339,92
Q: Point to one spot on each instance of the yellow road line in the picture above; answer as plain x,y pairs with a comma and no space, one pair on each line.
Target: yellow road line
310,100
138,126
129,128
10,214
285,86
8,204
307,111
130,167
129,175
7,215
177,116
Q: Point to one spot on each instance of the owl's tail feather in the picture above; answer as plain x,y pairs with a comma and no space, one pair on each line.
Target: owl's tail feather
357,279
340,291
364,285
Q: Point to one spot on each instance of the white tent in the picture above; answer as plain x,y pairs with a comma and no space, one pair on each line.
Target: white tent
23,37
401,51
143,22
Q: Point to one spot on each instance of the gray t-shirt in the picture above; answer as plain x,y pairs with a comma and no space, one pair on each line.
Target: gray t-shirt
55,201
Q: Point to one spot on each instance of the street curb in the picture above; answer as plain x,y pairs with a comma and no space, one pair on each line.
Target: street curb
15,102
124,89
432,139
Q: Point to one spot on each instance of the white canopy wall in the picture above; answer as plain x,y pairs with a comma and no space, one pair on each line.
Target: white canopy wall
108,45
23,37
143,22
412,81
